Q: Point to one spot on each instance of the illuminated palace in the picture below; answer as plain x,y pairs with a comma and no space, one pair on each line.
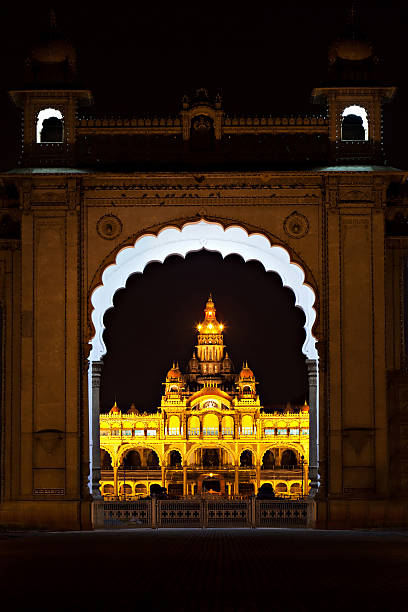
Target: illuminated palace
210,433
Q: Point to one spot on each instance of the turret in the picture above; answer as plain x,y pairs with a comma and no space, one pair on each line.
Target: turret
49,100
354,94
246,382
210,347
114,409
174,381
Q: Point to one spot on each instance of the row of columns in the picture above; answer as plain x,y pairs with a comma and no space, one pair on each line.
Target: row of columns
231,489
94,406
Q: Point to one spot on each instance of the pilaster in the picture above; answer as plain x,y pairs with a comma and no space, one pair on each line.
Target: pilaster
96,453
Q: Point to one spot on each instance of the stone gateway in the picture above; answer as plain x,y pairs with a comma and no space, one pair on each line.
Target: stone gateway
314,187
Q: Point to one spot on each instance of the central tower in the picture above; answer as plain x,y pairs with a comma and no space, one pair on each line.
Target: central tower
210,347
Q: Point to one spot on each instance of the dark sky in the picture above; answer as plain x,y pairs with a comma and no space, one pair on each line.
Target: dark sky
153,323
141,58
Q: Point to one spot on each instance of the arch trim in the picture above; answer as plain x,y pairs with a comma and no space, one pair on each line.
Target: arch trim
195,236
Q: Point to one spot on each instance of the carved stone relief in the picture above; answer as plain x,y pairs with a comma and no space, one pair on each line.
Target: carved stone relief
296,225
109,227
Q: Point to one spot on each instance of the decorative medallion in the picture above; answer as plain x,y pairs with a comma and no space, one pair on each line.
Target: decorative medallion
296,225
109,227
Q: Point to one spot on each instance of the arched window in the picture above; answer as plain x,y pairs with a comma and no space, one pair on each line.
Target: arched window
227,426
175,458
268,461
247,425
140,489
108,490
50,125
106,460
153,460
281,488
210,425
246,390
132,461
194,426
295,488
354,124
174,426
245,459
125,490
288,459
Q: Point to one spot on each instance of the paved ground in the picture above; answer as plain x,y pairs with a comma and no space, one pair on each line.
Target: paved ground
229,570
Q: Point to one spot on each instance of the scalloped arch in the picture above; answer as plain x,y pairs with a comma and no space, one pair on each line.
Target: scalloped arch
195,236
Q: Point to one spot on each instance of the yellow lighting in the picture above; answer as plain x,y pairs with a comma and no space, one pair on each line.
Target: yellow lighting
210,326
199,327
221,327
211,474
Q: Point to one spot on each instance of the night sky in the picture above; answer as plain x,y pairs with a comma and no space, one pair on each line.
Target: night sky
153,324
142,58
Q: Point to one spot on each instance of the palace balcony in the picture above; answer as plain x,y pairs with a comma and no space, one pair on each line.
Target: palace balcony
292,433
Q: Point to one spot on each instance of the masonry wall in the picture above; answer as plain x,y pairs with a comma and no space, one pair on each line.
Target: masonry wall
332,224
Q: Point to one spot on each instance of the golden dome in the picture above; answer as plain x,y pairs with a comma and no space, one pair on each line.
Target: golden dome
210,324
246,372
305,407
174,373
210,392
114,409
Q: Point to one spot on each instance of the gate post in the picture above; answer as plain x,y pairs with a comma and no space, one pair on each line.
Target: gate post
98,514
95,433
204,507
154,512
253,511
312,373
311,514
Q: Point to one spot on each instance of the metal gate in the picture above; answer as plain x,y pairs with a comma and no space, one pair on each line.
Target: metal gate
201,512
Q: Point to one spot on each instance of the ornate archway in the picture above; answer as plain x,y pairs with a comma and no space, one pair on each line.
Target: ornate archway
195,236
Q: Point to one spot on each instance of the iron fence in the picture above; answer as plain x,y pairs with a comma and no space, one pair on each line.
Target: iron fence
125,514
203,512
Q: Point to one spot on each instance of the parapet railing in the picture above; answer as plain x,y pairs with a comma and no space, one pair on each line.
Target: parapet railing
203,512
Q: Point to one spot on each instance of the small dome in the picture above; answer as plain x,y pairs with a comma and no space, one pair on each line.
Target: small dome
53,50
350,49
227,365
114,409
53,47
209,392
305,407
193,364
174,373
246,372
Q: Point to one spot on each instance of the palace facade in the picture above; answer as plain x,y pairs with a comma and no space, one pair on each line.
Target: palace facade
210,433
